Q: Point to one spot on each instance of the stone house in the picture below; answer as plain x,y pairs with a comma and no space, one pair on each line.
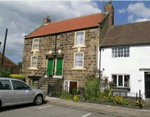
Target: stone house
66,49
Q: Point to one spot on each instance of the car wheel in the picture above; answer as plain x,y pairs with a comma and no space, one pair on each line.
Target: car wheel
38,100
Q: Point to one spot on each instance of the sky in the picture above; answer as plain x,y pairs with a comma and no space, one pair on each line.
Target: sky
22,17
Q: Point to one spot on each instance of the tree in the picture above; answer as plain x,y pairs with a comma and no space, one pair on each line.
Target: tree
20,66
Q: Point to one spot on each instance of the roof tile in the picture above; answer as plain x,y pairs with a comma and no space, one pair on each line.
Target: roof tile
68,25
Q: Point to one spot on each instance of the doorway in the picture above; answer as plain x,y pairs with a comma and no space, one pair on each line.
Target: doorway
147,84
73,86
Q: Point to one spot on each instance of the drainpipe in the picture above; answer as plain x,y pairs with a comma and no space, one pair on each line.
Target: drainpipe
55,52
99,64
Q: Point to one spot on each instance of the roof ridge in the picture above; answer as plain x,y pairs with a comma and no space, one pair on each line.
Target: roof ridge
131,23
8,59
75,17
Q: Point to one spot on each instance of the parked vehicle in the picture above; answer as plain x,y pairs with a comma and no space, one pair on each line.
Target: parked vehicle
14,92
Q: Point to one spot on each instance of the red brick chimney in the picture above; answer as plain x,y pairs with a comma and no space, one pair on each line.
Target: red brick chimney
108,7
46,20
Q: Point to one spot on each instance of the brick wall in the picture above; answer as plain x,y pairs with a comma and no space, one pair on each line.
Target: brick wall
8,63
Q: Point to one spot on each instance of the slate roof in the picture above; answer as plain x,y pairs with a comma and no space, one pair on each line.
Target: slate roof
128,34
68,25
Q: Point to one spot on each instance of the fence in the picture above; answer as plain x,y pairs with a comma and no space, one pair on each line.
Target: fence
54,91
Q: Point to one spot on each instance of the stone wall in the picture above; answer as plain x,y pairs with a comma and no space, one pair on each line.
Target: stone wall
65,41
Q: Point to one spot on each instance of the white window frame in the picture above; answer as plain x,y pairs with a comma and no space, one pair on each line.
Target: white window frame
115,52
33,44
122,78
31,62
82,45
82,67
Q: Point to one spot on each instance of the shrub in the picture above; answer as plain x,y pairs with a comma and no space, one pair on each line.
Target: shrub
92,86
106,92
76,98
66,95
16,76
5,72
137,103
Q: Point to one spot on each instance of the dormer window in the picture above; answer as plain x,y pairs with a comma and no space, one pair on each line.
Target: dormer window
35,45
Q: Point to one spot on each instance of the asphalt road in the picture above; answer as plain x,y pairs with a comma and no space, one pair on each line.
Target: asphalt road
46,110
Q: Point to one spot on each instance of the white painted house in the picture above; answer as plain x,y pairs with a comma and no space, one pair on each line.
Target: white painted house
125,57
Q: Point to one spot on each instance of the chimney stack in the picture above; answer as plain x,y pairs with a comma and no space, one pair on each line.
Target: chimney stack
46,20
108,7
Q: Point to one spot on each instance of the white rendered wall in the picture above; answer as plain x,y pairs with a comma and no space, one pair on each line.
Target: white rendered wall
139,58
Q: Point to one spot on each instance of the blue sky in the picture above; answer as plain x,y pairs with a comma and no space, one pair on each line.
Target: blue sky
22,17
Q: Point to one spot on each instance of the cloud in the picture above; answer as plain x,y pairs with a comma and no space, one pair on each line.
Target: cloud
130,18
22,17
123,10
142,20
138,12
139,9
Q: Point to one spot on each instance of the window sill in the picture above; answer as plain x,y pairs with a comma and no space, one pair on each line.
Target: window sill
115,87
33,68
76,68
79,46
34,50
57,76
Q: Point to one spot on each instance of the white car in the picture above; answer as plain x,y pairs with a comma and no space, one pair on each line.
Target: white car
14,92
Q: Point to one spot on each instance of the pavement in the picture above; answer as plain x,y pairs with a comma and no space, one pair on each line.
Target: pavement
46,110
100,108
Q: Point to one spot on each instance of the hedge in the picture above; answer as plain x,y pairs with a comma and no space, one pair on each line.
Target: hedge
16,76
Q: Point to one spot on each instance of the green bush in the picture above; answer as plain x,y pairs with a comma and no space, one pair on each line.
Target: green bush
66,95
16,76
76,98
5,72
91,87
137,103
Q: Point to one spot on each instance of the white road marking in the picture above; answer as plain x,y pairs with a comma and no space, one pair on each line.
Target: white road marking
44,107
86,115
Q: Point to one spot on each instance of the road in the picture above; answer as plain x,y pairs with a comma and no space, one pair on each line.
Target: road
46,110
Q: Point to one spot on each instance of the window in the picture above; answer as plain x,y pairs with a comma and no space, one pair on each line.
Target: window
66,84
18,85
120,52
5,85
35,44
58,66
79,38
34,62
121,80
79,60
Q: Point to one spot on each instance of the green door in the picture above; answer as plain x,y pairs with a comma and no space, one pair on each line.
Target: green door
50,67
59,67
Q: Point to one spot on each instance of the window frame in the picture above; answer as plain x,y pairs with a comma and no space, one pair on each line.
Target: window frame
9,84
122,80
31,62
29,88
33,44
69,84
120,52
82,45
82,60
